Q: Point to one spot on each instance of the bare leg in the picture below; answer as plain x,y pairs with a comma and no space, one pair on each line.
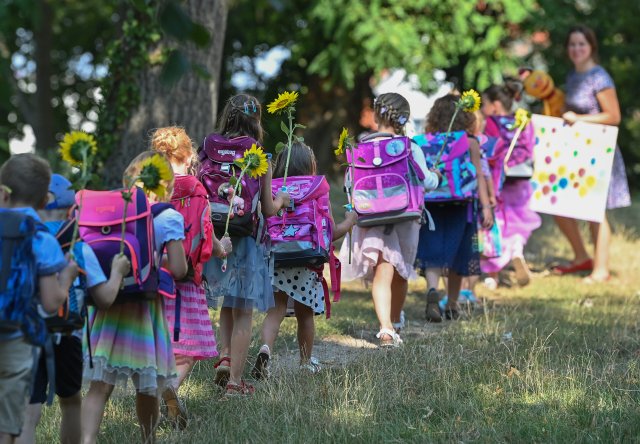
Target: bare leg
5,438
453,289
601,235
148,410
71,408
93,410
433,277
240,339
381,292
184,364
306,330
32,417
225,330
569,227
275,315
399,287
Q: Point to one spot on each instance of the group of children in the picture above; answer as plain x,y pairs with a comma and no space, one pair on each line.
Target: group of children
143,341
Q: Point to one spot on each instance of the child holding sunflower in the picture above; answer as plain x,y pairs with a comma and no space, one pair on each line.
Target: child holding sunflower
131,339
245,282
453,246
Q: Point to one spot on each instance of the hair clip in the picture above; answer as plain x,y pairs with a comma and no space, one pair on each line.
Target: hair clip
383,109
402,120
248,110
6,189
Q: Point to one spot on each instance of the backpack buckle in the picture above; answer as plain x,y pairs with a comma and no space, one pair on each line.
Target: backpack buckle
226,167
292,205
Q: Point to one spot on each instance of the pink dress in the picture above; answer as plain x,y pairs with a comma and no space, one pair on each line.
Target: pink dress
397,245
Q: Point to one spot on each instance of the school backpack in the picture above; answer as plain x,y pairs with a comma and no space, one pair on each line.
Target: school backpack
384,181
72,313
100,223
217,166
18,277
494,151
520,162
459,176
191,201
302,236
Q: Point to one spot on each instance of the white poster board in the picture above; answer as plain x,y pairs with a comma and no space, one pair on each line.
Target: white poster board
572,167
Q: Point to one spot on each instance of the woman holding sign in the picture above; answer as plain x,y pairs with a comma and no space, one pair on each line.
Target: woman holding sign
591,97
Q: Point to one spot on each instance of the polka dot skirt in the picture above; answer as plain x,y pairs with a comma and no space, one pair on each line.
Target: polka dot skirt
302,285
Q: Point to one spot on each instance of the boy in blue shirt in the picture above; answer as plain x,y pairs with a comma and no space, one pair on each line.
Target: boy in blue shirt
68,347
24,182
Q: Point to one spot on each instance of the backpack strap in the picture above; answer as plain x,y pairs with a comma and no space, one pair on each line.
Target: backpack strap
160,207
375,136
50,362
11,222
176,321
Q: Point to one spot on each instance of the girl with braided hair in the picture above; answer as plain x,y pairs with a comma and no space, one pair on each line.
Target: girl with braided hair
384,255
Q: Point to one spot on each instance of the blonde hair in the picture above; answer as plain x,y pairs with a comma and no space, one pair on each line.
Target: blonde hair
175,144
134,169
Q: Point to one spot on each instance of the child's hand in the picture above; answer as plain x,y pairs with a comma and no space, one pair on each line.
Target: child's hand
487,217
437,173
493,201
121,264
227,246
351,217
71,271
284,198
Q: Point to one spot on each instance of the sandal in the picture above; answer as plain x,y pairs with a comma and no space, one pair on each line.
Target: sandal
523,274
389,338
242,389
398,326
586,265
313,366
451,313
223,369
176,412
591,279
261,367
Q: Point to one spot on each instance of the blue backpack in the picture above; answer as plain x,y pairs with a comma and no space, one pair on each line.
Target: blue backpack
18,277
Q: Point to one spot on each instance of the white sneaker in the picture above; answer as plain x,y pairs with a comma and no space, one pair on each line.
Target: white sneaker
313,366
490,283
400,325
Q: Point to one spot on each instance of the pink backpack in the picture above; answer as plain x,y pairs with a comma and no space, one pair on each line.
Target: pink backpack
386,182
100,222
217,166
302,235
190,199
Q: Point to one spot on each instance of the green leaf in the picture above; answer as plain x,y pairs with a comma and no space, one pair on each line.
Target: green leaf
174,68
299,139
200,35
284,128
361,160
201,71
299,125
175,21
280,146
238,163
233,181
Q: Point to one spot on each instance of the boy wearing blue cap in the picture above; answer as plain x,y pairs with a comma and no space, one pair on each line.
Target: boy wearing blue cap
68,348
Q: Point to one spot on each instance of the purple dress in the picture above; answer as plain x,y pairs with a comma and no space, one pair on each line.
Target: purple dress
581,90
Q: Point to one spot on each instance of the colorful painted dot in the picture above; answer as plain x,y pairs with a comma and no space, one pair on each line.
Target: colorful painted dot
543,177
563,183
572,176
609,149
590,181
542,130
553,130
582,191
534,185
577,134
575,153
538,195
576,184
588,141
552,178
593,161
555,188
547,159
581,172
556,154
548,144
562,170
546,189
554,199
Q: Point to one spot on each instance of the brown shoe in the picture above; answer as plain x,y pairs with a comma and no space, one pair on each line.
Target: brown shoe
432,312
176,412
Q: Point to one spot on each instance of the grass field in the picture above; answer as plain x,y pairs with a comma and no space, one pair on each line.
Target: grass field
557,361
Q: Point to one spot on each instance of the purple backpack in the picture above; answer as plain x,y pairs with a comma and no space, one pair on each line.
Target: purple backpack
216,168
100,222
302,236
459,176
386,182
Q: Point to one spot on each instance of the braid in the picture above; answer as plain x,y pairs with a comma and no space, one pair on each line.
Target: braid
393,110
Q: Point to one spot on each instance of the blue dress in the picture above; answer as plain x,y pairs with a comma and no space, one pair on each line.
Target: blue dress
581,90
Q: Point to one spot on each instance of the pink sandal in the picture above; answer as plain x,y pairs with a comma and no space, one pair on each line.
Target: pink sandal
223,369
242,389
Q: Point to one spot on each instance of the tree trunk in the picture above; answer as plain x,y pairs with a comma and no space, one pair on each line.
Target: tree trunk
43,36
191,102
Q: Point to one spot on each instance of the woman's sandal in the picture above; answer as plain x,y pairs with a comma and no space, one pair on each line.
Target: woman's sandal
242,389
261,367
223,369
389,338
176,413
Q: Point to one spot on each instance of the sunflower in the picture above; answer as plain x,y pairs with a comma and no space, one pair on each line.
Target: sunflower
522,118
154,174
284,101
343,137
256,161
470,101
77,146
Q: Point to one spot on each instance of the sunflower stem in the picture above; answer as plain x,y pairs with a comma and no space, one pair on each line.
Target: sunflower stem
235,191
290,135
83,183
446,135
513,143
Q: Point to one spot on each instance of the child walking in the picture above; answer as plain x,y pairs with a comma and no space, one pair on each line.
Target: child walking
24,181
196,338
452,248
68,346
514,216
385,254
301,285
246,282
131,339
